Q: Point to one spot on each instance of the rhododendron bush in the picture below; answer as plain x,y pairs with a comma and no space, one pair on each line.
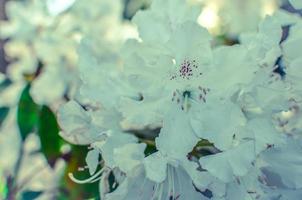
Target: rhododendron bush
184,100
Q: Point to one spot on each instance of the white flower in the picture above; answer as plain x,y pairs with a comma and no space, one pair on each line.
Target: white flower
263,46
219,122
264,134
156,167
172,78
26,63
177,69
250,139
43,38
232,163
251,186
177,185
182,72
129,156
285,162
92,160
25,19
109,145
163,18
58,78
292,56
101,74
77,124
176,131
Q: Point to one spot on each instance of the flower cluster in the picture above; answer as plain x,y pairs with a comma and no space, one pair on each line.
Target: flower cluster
174,116
42,47
44,37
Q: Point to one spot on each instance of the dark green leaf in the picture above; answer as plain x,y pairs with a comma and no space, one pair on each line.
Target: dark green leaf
150,149
3,114
27,115
31,195
48,130
4,84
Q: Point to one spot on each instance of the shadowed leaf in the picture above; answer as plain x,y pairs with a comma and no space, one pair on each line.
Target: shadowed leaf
27,114
48,131
3,114
31,195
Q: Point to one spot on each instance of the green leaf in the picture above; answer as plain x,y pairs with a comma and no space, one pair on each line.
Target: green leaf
3,113
27,114
31,195
48,131
150,149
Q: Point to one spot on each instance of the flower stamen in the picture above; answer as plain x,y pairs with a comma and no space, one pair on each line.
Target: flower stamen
92,179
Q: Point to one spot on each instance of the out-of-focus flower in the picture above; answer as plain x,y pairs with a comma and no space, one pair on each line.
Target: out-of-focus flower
232,17
296,3
44,42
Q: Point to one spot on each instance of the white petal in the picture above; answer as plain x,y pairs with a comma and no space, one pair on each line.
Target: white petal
75,123
162,18
113,141
92,160
264,134
137,186
156,167
229,164
129,156
190,41
176,131
218,122
40,90
286,162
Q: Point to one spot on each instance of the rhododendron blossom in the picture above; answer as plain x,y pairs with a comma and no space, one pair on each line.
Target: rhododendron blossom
214,106
174,111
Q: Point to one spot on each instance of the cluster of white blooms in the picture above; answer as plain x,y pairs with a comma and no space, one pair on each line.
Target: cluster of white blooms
43,40
174,117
